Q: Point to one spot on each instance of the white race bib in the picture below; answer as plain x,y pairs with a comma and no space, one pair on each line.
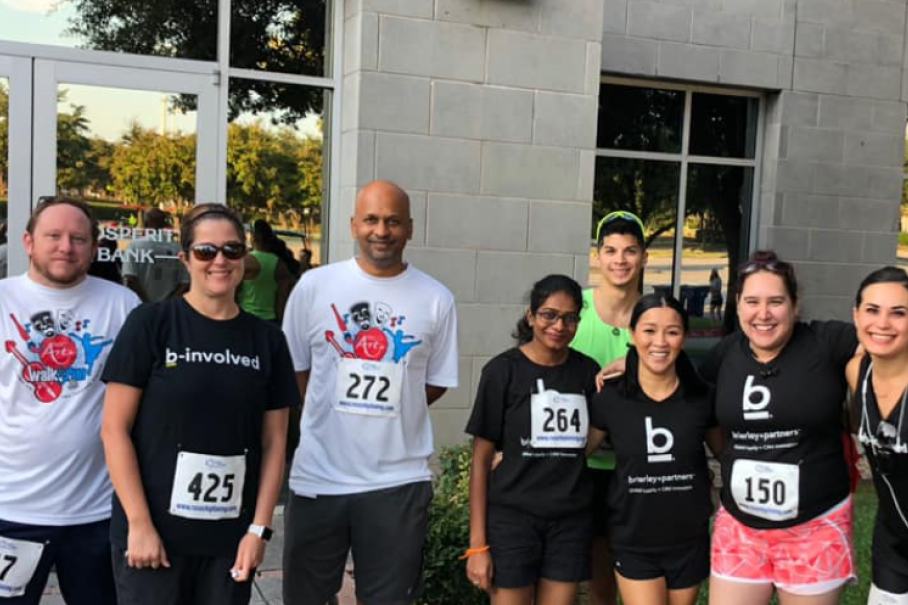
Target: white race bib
208,487
769,490
558,420
370,388
18,561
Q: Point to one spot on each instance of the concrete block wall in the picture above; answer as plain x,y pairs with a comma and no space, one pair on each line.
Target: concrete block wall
485,112
833,181
834,76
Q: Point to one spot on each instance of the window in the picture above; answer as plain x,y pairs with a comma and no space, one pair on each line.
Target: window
684,160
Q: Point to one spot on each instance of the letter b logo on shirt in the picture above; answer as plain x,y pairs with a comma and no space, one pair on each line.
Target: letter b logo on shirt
659,443
755,400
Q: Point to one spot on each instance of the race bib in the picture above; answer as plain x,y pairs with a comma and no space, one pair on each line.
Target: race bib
370,388
769,490
558,420
208,487
18,561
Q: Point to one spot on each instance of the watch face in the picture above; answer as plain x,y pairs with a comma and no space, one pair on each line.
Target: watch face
267,532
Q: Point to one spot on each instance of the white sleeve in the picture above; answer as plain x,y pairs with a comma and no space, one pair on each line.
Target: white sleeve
442,367
296,326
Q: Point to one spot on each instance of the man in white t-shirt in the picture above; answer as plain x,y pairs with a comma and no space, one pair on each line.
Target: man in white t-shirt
57,325
374,343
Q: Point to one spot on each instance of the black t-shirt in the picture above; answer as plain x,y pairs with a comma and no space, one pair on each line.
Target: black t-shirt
206,386
890,468
659,496
784,462
542,479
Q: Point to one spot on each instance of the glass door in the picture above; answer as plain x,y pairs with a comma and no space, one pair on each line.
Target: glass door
15,160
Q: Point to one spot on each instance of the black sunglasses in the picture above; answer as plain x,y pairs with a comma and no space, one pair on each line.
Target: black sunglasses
207,252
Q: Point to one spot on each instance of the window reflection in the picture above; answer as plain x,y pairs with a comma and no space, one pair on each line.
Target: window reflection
723,126
640,119
4,176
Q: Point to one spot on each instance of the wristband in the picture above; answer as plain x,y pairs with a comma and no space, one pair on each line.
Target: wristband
474,551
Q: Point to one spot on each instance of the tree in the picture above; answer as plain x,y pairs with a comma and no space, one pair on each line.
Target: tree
4,138
286,36
153,169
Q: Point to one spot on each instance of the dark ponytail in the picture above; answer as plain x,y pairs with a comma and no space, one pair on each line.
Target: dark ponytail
545,287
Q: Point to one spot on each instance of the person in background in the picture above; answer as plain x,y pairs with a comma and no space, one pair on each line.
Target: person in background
4,250
152,268
267,280
715,296
603,335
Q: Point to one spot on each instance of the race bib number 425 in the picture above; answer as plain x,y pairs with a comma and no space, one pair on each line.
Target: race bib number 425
768,490
558,420
370,388
18,561
208,487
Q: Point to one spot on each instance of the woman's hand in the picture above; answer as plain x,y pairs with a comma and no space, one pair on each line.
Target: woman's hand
479,570
144,547
612,370
249,555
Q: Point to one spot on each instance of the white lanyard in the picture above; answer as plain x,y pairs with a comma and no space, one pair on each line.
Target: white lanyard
898,447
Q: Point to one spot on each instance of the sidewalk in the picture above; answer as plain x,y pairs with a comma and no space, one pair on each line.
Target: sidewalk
268,585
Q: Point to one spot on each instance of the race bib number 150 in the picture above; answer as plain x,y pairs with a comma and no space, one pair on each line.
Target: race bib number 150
768,490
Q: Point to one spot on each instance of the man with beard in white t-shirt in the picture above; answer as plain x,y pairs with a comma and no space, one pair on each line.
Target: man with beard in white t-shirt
57,325
374,343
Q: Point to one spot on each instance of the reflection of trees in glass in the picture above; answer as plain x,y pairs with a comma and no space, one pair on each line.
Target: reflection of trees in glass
719,193
285,36
150,169
640,119
647,188
274,172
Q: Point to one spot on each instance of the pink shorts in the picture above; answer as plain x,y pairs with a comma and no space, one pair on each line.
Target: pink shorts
812,558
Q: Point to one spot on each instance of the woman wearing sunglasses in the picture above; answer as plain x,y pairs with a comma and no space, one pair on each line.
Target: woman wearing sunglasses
530,526
785,521
879,381
194,427
657,414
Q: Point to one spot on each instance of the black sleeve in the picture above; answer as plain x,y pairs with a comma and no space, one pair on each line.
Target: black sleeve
712,361
132,357
487,418
283,391
838,337
710,403
598,416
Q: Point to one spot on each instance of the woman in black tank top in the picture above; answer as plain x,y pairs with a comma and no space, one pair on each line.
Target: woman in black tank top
879,382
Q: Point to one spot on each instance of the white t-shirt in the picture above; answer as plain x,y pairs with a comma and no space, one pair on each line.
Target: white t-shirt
55,343
156,266
388,336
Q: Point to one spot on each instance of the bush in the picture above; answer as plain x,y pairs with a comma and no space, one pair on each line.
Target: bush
903,238
449,534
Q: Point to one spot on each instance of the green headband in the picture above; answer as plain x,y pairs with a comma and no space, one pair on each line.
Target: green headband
619,215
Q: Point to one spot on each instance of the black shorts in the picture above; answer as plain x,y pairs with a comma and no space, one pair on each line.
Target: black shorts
196,580
681,567
526,548
601,480
386,530
890,562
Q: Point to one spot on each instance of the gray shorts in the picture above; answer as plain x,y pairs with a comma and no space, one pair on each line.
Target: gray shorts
386,529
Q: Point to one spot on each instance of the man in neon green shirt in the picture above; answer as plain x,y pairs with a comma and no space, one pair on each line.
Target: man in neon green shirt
603,335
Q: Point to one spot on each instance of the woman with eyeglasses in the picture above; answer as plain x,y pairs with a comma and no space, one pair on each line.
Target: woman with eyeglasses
194,427
658,414
530,525
786,518
603,335
879,381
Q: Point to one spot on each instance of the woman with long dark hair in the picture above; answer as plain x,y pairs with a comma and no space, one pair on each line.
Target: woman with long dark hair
879,382
657,414
530,525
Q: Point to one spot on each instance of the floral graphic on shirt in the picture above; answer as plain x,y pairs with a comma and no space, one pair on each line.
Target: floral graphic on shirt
57,353
371,332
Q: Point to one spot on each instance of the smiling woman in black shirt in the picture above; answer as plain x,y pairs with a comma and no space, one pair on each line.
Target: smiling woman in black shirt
530,526
657,415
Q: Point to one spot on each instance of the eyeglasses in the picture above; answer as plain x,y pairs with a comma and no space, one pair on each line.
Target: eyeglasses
208,252
552,317
619,215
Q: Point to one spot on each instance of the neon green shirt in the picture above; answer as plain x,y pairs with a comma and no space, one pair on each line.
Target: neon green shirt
604,343
257,296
